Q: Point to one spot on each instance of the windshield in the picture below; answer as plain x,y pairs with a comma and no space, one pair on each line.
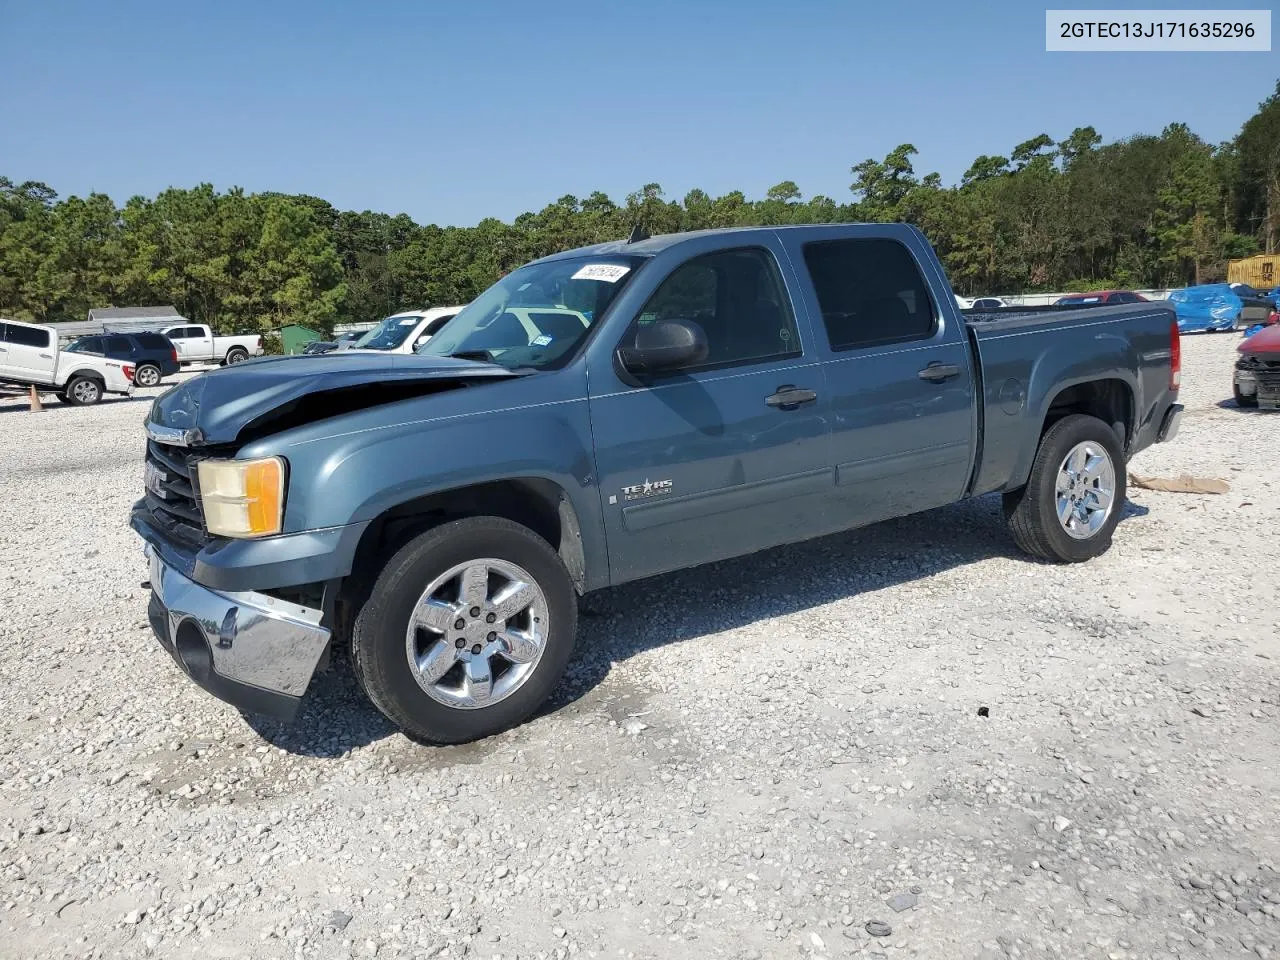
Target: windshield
389,334
535,316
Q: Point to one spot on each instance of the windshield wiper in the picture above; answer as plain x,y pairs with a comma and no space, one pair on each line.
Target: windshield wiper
483,356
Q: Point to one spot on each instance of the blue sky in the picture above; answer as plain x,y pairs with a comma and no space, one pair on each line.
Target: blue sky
452,112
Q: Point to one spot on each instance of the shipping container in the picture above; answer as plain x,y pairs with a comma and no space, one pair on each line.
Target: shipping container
1261,272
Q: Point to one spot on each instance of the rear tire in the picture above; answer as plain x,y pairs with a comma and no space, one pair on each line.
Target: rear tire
147,375
1057,489
236,355
82,392
383,638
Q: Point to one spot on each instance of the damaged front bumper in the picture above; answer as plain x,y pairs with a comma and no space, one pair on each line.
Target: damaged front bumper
1260,383
255,651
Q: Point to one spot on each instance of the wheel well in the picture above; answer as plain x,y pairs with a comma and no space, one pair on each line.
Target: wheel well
532,502
86,375
1111,401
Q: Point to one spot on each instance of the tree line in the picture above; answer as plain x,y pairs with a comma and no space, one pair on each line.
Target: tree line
1071,214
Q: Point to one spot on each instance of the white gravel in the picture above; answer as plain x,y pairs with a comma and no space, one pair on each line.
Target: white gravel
770,757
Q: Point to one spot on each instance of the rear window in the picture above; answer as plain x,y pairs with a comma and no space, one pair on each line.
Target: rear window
870,292
26,336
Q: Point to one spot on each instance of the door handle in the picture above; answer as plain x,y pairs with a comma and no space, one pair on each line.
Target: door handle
46,356
938,372
789,396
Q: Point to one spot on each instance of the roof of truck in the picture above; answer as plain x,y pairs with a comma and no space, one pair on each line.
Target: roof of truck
654,245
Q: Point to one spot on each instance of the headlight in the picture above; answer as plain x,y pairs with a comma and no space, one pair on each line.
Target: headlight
242,498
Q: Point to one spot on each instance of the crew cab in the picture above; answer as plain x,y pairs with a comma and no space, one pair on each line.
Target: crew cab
196,343
30,357
439,514
403,332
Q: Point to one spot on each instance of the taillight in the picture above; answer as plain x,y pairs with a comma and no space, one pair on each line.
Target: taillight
128,371
174,351
1274,318
1175,357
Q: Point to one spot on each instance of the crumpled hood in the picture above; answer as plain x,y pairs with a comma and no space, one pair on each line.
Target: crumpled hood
1266,341
213,407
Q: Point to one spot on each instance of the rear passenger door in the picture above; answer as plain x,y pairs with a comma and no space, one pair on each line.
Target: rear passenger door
120,348
897,370
30,352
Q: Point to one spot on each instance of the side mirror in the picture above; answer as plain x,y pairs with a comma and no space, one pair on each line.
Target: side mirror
663,346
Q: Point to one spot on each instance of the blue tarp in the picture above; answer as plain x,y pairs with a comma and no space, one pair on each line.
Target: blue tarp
1211,306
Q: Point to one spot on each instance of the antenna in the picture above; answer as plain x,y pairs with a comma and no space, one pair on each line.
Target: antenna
638,233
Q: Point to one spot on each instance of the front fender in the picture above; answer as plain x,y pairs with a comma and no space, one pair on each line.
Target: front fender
393,456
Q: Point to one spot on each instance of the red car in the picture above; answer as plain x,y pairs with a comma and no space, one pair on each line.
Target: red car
1097,297
1257,380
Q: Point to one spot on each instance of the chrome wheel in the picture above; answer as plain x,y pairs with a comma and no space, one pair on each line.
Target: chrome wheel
85,391
236,356
477,633
147,376
1085,489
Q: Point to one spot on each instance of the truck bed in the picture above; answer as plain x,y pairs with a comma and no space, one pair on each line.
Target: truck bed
1028,360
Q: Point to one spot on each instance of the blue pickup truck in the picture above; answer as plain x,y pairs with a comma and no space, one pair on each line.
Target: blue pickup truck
607,414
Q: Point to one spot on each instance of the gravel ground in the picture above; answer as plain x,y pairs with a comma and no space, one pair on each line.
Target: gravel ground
923,745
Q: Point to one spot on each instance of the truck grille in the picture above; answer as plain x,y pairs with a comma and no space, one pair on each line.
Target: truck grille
172,493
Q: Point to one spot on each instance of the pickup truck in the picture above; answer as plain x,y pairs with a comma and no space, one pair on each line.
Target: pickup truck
196,343
30,357
439,514
403,332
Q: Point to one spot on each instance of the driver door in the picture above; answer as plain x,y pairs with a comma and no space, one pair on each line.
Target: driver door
702,464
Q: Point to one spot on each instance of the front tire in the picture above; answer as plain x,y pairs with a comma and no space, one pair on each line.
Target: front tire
467,630
1071,504
83,392
147,375
1243,400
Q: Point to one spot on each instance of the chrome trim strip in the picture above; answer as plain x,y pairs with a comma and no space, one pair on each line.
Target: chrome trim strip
172,436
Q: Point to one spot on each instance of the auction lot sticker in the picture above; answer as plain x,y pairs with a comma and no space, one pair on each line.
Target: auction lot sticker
1204,31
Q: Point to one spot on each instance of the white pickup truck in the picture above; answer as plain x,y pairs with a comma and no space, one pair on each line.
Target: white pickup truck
403,332
196,343
29,356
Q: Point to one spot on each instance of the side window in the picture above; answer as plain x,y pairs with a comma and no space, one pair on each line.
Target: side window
870,292
119,345
27,336
4,332
90,345
738,299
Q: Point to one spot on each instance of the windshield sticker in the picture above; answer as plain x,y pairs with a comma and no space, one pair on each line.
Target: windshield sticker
541,341
408,321
608,272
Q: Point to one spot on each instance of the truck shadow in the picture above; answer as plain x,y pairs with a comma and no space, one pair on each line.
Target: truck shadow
616,624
